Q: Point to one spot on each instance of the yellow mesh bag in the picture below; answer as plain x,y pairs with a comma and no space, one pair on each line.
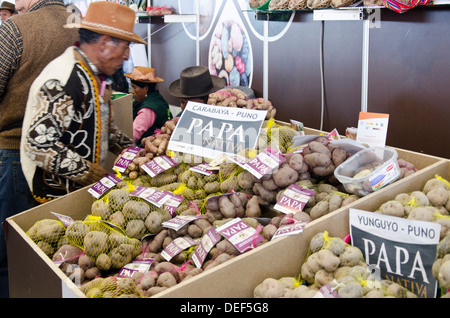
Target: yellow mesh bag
193,202
135,216
280,137
47,234
228,177
111,287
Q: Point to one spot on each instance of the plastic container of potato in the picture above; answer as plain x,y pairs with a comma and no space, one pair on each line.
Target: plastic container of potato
368,170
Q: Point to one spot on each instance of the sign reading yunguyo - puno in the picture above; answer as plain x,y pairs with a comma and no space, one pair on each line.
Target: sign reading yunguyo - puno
402,250
209,130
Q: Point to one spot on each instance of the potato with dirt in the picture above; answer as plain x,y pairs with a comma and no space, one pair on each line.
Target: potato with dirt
95,243
117,199
76,232
47,230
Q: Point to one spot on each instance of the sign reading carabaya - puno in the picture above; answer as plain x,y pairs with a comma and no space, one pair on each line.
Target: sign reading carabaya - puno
209,130
402,250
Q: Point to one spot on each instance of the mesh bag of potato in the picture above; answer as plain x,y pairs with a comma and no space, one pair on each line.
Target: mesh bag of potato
280,137
111,287
135,216
48,235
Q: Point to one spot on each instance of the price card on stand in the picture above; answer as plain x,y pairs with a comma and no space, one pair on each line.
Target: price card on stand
372,129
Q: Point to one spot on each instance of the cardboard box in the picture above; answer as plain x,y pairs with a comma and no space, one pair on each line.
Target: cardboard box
33,274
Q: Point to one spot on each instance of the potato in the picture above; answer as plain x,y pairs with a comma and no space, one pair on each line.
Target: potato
253,209
85,262
396,290
269,288
135,229
351,256
95,243
317,159
285,176
432,183
92,272
421,213
117,198
101,209
322,278
47,230
166,266
444,275
226,207
76,232
126,286
120,256
118,219
231,183
47,248
103,262
438,196
136,210
317,242
419,198
351,290
327,260
319,210
153,222
338,156
227,247
166,279
392,207
67,253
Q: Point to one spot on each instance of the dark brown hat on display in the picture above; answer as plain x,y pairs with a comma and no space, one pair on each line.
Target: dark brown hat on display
195,81
111,19
8,6
144,75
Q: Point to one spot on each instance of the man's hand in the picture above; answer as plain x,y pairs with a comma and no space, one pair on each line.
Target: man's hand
95,174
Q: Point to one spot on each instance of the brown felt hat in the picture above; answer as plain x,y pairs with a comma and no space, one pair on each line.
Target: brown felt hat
8,6
144,75
110,18
195,81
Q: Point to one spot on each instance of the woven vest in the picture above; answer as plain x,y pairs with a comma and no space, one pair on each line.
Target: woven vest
44,39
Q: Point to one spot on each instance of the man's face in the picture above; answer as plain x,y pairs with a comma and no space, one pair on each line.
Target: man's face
112,55
23,5
5,15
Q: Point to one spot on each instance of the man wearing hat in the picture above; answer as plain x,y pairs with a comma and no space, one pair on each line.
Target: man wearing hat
195,84
7,10
28,43
150,109
68,127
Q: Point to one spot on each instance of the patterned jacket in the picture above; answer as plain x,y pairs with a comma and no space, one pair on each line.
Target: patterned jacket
67,125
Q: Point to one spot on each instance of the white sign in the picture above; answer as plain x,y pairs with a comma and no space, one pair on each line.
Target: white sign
403,250
210,131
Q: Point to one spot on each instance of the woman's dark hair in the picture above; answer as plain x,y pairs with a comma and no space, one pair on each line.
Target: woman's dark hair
88,36
151,86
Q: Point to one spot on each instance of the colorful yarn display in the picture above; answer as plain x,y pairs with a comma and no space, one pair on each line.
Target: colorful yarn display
401,6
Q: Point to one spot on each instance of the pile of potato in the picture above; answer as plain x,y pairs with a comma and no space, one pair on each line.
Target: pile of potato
335,263
431,204
234,97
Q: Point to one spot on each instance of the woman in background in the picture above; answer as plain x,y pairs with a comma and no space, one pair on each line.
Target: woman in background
150,109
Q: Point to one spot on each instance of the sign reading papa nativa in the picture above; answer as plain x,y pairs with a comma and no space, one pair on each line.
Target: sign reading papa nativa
210,130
